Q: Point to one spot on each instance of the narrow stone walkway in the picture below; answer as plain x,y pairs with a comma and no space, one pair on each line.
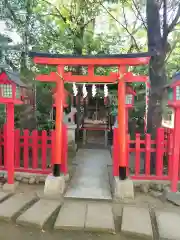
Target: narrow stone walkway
91,179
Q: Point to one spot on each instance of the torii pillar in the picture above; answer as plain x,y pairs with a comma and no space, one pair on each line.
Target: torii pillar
57,161
123,186
55,183
122,124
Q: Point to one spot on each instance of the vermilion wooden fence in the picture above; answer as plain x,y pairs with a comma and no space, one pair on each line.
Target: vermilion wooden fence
33,151
148,151
34,154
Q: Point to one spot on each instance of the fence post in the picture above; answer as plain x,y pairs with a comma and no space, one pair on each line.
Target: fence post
52,146
159,151
1,152
44,148
137,154
5,145
128,153
170,154
35,149
17,148
10,142
147,154
65,149
176,151
26,148
115,153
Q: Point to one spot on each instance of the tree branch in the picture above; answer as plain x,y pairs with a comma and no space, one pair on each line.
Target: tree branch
10,63
60,15
130,34
85,24
164,21
124,15
174,22
12,14
140,15
172,49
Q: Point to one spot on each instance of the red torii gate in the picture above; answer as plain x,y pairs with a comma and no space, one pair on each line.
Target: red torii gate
60,77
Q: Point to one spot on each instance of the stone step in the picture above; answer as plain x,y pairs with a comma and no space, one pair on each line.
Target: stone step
71,216
79,215
14,205
168,224
99,217
39,213
4,195
136,222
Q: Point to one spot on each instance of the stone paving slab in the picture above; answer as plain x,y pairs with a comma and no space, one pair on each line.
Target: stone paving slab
91,179
4,195
168,224
136,221
173,197
39,213
99,217
13,205
71,216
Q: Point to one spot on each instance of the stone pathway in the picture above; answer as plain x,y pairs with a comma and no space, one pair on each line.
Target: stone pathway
92,216
89,216
91,179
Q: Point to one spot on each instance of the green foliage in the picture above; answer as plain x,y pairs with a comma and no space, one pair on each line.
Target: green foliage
74,27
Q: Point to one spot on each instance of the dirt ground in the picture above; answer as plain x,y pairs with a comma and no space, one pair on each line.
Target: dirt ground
11,231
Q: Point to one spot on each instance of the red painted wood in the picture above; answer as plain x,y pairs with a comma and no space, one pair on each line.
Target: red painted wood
170,153
65,150
52,146
149,177
10,142
137,154
52,77
35,149
128,154
59,117
44,149
5,144
69,77
92,61
17,148
94,129
121,117
115,153
26,148
129,77
31,170
176,152
159,151
44,145
1,147
147,153
10,100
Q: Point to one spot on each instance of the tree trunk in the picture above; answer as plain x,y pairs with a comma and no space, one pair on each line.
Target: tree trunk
158,80
157,71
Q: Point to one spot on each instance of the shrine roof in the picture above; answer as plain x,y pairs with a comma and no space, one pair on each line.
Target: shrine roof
14,77
176,77
131,59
